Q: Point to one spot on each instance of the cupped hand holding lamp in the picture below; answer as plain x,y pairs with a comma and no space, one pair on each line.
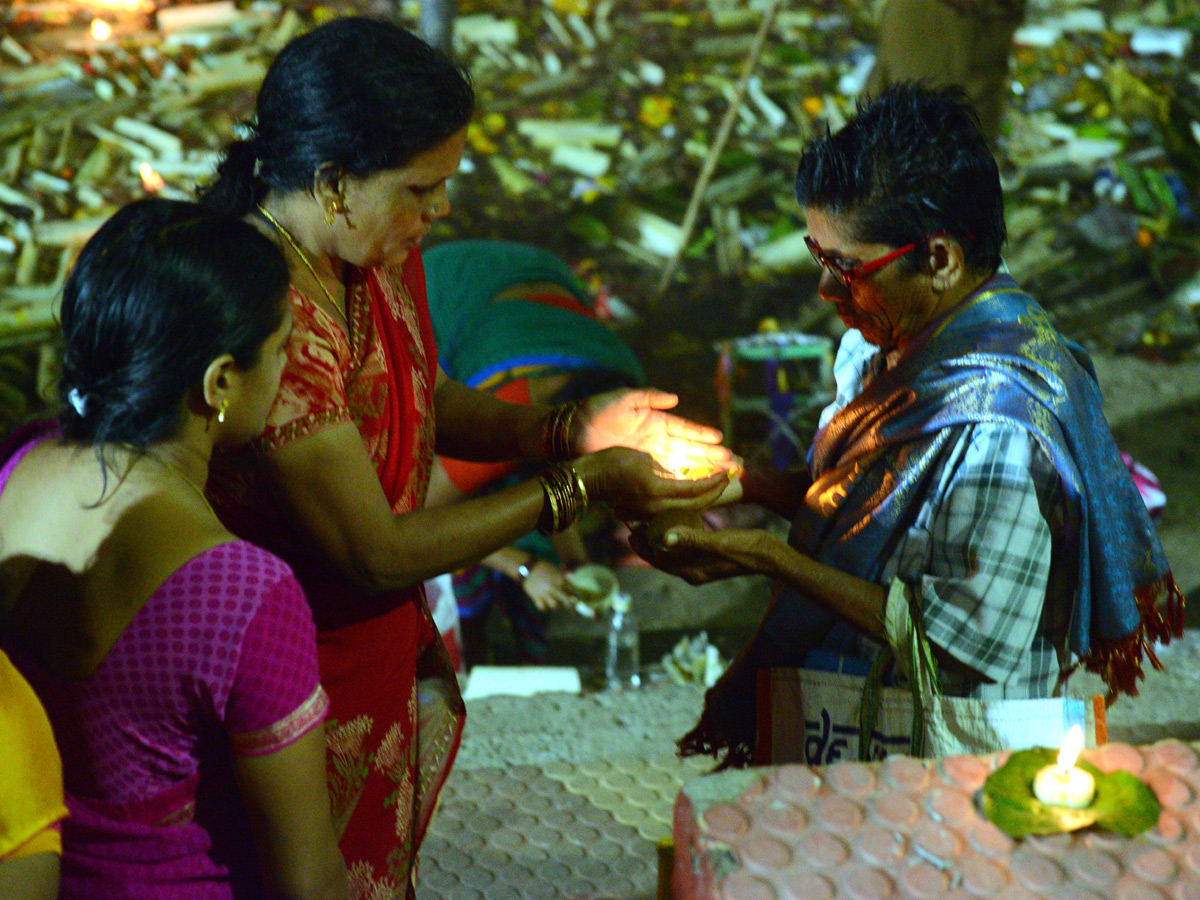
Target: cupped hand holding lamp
606,448
683,546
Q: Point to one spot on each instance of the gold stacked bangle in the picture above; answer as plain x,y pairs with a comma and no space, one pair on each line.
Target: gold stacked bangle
566,499
556,433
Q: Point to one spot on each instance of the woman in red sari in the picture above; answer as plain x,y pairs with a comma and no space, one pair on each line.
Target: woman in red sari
359,126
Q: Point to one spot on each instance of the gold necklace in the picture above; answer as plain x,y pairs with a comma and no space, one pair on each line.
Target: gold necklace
204,497
199,492
294,244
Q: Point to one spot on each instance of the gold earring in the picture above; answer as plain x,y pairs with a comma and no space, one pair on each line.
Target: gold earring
335,204
335,207
221,411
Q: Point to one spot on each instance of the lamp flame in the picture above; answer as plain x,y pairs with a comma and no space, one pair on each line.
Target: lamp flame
1071,745
101,30
675,463
680,465
151,180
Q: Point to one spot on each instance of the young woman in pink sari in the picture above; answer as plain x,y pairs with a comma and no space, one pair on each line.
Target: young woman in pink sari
177,664
358,127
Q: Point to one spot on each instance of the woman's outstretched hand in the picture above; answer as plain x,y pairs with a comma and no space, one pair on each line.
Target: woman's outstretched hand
636,419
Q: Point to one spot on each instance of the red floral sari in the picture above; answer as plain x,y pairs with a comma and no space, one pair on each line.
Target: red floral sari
396,716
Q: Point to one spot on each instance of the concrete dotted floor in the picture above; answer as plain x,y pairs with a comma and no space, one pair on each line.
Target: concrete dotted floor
565,797
578,810
569,832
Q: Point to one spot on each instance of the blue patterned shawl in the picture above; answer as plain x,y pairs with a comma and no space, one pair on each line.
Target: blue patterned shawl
998,359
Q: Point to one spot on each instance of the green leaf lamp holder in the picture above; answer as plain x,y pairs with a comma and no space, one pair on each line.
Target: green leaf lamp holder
1124,804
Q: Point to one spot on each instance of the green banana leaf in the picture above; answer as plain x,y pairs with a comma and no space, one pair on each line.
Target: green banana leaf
1124,804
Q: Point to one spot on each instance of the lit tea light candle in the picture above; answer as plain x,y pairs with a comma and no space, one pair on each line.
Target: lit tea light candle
694,472
1065,784
681,467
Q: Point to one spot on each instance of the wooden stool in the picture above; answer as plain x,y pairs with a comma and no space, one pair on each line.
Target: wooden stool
780,379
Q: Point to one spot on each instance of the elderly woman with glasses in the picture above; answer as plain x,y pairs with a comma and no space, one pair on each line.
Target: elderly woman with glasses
964,480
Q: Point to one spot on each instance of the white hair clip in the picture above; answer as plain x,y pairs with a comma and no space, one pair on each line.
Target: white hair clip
78,401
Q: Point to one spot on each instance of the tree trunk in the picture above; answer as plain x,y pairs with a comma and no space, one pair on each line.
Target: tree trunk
437,24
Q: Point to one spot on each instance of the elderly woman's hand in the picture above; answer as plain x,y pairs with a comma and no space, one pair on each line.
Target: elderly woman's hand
635,418
687,549
636,486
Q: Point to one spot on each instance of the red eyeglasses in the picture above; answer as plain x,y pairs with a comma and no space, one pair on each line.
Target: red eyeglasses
846,276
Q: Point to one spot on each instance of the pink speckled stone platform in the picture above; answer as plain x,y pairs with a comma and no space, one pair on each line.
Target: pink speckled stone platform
909,828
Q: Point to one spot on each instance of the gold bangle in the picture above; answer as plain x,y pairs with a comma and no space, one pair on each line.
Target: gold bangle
566,497
566,500
550,431
562,446
568,420
552,502
550,521
556,433
548,517
548,434
583,494
573,487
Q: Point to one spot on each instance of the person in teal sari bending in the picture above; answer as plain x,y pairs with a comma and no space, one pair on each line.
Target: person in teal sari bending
964,481
513,320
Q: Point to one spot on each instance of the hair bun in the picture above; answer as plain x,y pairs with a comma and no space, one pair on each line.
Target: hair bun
80,402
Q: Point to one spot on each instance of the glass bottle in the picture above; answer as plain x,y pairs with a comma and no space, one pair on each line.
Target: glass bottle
621,658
